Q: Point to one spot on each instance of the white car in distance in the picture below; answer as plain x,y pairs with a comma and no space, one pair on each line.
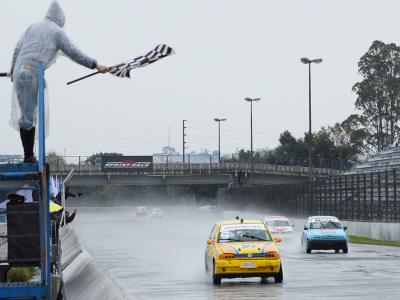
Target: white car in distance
278,224
157,213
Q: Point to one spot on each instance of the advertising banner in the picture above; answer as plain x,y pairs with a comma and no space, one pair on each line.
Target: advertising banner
127,163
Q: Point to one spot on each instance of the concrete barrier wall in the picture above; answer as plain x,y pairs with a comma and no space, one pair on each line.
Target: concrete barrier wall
70,246
378,231
82,277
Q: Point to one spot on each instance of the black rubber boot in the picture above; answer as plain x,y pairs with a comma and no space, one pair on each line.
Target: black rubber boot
28,142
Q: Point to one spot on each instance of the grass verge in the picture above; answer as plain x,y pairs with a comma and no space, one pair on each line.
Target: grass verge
364,240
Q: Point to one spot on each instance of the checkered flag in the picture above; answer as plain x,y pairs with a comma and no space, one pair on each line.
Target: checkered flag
159,52
124,69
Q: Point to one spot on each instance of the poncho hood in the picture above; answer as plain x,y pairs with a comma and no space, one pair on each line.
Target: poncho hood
56,14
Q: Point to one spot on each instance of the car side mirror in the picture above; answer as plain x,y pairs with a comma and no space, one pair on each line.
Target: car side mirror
210,242
305,227
344,228
277,239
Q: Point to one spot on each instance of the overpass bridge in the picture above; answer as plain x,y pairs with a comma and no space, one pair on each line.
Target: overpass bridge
190,173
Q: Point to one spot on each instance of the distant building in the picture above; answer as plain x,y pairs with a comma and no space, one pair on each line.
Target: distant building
10,158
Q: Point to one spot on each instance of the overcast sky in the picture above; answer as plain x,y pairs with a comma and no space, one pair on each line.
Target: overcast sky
226,51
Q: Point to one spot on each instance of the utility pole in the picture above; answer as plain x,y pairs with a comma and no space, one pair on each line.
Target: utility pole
183,140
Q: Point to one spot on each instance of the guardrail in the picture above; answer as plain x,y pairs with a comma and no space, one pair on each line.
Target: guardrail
318,162
195,168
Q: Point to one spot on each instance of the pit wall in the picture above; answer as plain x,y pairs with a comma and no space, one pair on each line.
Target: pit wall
377,231
82,277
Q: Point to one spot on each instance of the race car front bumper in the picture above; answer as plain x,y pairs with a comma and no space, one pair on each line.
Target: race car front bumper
327,244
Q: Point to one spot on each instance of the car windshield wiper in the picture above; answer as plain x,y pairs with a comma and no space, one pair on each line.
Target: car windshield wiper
254,237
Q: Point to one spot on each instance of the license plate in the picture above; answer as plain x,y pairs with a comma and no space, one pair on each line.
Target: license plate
249,265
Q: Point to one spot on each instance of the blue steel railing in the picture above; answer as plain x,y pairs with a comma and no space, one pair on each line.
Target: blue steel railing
44,205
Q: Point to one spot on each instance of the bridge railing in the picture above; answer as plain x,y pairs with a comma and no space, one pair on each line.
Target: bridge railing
196,165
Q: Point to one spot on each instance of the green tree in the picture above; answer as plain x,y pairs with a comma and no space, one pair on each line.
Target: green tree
244,155
92,159
290,150
55,160
378,93
340,145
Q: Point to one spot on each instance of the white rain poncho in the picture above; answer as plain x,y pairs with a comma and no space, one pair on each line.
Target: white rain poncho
39,44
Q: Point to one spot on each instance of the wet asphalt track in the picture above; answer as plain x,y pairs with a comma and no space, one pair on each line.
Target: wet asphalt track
164,259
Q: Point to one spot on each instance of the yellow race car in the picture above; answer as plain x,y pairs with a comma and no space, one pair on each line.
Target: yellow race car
242,248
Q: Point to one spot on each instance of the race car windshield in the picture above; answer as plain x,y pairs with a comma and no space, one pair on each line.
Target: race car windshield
283,223
325,225
243,233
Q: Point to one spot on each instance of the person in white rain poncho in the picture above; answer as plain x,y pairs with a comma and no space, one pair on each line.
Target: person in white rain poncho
39,44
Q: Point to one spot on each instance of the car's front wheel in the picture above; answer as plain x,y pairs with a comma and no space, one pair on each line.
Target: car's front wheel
308,248
215,278
279,277
264,279
345,249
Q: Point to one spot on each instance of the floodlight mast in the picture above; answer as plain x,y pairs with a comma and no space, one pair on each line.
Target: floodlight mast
308,61
251,100
219,137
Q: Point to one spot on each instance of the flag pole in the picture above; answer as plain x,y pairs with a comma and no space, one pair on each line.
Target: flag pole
91,74
84,77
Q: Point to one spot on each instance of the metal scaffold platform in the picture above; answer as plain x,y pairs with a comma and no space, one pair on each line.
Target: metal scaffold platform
29,241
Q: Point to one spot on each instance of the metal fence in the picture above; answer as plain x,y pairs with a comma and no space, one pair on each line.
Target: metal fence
362,197
200,164
83,160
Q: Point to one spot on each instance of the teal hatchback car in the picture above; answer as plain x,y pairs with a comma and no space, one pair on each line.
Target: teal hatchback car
324,233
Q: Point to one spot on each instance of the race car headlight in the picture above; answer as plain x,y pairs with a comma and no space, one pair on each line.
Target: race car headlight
272,254
226,256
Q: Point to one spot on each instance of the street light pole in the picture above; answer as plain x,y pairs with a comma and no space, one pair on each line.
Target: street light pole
251,100
219,137
305,60
309,125
183,141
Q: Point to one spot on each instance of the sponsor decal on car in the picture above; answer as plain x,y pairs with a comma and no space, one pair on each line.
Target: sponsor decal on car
324,220
242,226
